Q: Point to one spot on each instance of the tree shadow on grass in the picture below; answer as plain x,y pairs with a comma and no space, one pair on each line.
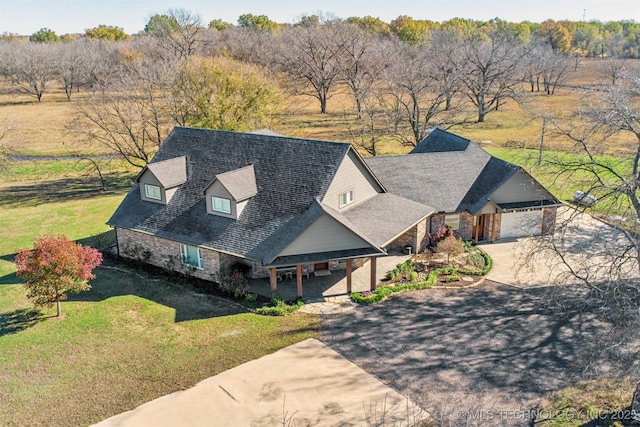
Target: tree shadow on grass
114,279
11,278
61,190
18,320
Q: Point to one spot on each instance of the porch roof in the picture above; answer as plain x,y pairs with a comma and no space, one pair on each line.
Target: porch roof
387,216
324,257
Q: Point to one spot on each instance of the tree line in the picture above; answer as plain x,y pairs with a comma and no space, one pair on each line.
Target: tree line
591,39
404,77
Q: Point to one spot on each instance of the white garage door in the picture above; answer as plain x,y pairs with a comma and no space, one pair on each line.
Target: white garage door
521,224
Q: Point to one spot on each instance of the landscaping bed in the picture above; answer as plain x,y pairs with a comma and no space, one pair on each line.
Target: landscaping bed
431,269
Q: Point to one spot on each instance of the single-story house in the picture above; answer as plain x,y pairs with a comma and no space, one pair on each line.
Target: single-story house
210,200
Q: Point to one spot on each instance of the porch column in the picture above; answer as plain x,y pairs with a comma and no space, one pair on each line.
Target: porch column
476,221
274,280
373,273
349,268
299,279
493,226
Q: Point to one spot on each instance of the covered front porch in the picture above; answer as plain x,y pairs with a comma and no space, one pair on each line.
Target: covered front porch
337,282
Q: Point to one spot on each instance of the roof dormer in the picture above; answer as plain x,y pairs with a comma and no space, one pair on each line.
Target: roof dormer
229,192
160,180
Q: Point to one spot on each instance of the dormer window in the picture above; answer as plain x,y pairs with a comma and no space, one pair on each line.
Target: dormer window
152,192
160,180
346,198
220,204
229,192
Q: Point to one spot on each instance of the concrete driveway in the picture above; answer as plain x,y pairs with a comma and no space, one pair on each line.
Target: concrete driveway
592,249
303,384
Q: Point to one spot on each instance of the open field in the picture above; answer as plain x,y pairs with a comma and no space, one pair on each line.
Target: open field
44,128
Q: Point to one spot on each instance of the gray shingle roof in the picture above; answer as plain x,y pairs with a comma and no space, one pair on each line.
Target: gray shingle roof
440,179
445,171
170,173
290,174
439,140
386,216
495,173
240,183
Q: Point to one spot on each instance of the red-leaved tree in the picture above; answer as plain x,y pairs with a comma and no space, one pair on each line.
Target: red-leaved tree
55,266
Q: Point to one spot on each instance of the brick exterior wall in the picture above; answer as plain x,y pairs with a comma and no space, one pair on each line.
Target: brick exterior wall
166,254
549,220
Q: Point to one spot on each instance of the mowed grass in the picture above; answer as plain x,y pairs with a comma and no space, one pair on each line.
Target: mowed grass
603,402
125,342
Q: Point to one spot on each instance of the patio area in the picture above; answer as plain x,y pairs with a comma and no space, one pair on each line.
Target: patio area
319,288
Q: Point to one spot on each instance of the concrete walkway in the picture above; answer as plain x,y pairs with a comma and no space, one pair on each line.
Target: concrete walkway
306,383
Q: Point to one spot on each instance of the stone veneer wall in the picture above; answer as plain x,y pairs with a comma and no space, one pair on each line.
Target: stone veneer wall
465,227
416,237
165,253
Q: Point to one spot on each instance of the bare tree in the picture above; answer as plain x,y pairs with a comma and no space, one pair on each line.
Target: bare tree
362,60
29,67
103,63
372,126
555,67
310,58
614,69
417,94
606,263
130,117
177,31
250,46
532,66
489,69
70,62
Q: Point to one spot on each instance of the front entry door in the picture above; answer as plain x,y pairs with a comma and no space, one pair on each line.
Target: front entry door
478,228
321,266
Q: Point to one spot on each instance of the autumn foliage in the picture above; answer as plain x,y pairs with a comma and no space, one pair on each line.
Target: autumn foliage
55,266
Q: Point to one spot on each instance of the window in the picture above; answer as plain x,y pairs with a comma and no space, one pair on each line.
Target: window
452,221
345,198
220,204
152,192
191,256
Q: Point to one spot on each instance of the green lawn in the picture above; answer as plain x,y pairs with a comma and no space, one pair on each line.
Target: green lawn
128,340
125,342
592,403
